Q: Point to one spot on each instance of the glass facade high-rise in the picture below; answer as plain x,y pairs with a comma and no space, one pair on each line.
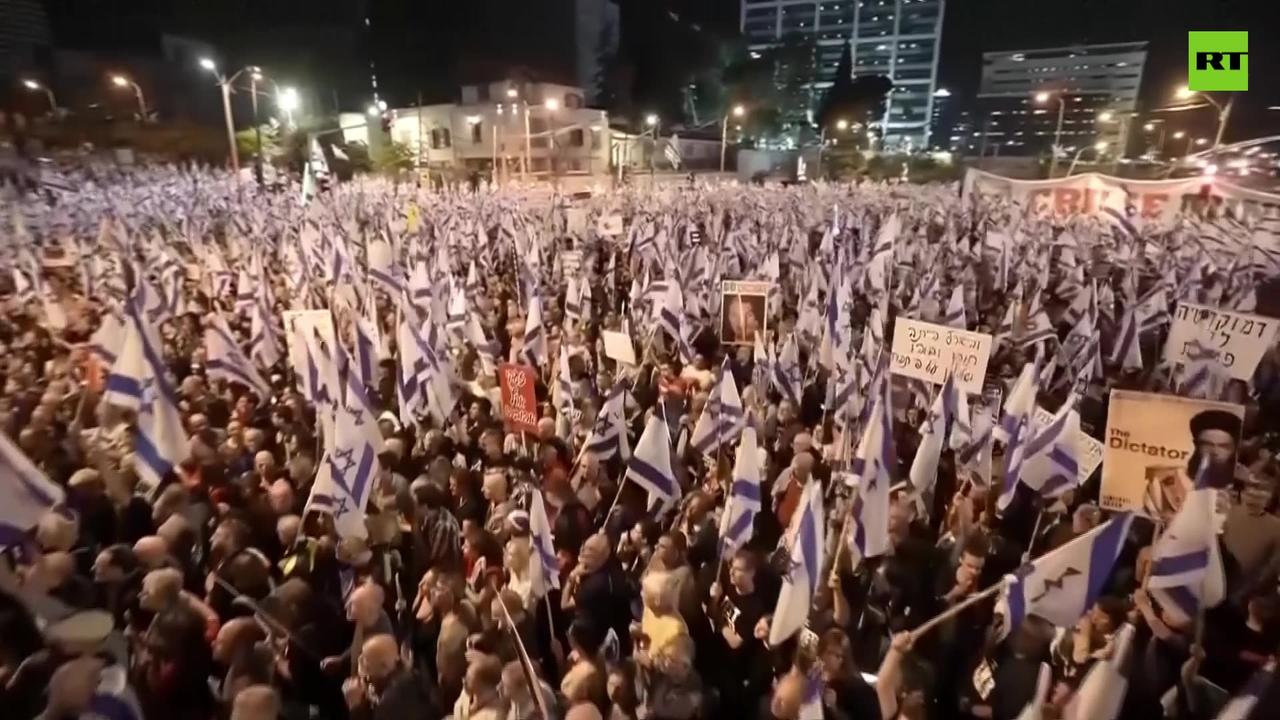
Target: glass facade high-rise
899,39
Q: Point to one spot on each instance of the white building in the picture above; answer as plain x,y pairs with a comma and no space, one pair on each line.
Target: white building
532,128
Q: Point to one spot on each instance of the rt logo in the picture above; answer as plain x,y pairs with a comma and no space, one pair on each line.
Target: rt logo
1217,60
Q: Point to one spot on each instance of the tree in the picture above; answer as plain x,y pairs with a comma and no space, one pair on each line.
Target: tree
392,157
855,100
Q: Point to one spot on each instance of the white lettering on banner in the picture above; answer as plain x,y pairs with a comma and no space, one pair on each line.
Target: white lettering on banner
926,351
1088,449
1239,338
745,287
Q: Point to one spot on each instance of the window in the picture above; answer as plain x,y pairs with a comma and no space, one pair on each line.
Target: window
576,138
538,126
572,100
440,139
477,132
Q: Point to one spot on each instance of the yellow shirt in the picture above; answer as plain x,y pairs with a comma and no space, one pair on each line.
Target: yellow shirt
662,631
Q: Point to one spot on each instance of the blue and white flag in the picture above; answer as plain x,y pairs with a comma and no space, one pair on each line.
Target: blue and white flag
650,466
722,416
1186,570
954,315
224,359
924,467
1014,428
872,471
106,341
1060,586
1247,705
352,468
534,349
1050,463
609,435
26,494
800,584
1101,693
786,371
544,566
1035,708
1127,352
743,503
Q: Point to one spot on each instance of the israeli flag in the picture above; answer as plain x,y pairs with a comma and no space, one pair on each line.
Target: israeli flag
924,467
224,359
722,416
954,315
1186,570
1246,705
800,584
1050,464
534,350
1102,691
1062,585
609,435
786,371
872,471
1014,428
26,494
352,469
650,466
544,564
743,503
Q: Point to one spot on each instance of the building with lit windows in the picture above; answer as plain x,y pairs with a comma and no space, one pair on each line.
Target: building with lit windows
1021,93
899,39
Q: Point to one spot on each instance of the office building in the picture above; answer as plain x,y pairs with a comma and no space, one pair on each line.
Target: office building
1022,91
24,36
899,39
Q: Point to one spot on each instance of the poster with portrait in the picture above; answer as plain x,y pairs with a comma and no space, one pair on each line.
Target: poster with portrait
1154,445
742,311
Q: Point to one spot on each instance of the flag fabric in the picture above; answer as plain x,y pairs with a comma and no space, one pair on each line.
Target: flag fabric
1102,691
544,565
1035,708
225,359
534,349
1186,570
608,437
1014,429
871,470
26,494
722,416
1060,586
650,466
786,371
743,501
800,584
924,467
1050,463
352,467
1127,352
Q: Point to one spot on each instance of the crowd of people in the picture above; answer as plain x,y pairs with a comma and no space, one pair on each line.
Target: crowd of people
259,457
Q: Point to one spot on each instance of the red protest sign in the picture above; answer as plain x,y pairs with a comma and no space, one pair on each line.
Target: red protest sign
519,404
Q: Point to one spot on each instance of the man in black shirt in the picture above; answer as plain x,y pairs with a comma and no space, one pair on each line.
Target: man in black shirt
735,610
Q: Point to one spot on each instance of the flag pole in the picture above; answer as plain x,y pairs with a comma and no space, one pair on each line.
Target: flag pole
955,610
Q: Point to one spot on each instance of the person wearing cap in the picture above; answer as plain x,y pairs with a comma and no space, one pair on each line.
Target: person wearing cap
1216,434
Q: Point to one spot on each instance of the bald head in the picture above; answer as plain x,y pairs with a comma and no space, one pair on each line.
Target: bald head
280,496
151,551
160,589
379,656
235,634
365,606
256,702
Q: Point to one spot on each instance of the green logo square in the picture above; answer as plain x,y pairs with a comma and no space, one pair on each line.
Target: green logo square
1217,60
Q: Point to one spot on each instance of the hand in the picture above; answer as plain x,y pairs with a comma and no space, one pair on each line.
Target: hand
1191,668
761,631
902,642
1142,599
353,691
731,636
716,592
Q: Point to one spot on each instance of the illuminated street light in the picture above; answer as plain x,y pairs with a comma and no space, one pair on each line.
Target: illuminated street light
121,81
552,104
1041,98
1224,111
513,93
288,101
373,111
1100,146
842,125
1149,127
208,64
1105,116
1184,93
382,105
1202,141
739,110
1179,135
34,86
651,119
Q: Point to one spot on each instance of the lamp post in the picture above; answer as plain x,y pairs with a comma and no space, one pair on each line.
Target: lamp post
1042,98
1224,111
225,83
34,86
651,120
738,111
553,165
1098,147
121,81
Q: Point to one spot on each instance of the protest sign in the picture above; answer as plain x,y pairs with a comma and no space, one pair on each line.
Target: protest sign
1239,338
1154,444
519,404
1088,452
575,221
742,311
926,351
570,262
617,345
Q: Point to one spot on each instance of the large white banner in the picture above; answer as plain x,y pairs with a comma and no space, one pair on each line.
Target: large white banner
926,351
1240,338
1089,193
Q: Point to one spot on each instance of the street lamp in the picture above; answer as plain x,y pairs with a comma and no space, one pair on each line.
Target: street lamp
225,83
1041,98
287,100
842,125
33,86
513,93
552,104
738,111
1098,148
1224,111
121,81
651,119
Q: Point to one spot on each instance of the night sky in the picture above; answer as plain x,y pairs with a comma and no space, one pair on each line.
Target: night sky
971,27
